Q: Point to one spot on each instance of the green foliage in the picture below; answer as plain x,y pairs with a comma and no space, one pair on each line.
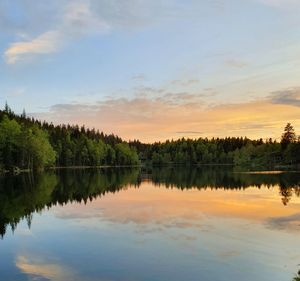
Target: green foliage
292,153
267,154
125,155
229,151
191,152
10,137
38,147
29,144
24,147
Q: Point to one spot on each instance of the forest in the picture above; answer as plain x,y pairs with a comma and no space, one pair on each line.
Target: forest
29,144
26,143
238,151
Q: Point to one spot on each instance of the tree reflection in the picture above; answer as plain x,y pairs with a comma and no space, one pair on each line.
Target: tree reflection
22,195
225,178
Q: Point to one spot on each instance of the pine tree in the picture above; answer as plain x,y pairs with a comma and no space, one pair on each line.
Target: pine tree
23,115
6,108
288,136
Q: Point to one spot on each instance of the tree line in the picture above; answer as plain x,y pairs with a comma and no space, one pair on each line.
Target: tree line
271,153
239,151
27,143
191,151
30,144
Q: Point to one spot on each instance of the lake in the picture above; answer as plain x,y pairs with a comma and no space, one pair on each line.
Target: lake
150,224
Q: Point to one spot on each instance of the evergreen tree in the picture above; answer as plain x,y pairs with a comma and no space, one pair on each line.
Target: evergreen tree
288,136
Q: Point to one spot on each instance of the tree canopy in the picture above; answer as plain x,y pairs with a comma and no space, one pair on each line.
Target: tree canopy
239,151
31,144
27,143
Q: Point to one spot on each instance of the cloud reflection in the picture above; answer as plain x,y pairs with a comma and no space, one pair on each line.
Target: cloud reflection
290,223
41,270
154,209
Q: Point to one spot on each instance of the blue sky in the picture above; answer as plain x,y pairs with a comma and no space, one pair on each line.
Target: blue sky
154,69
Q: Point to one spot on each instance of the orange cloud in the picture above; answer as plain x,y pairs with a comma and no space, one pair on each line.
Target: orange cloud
152,119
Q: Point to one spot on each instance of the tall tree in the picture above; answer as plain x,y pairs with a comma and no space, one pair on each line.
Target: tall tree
9,141
288,136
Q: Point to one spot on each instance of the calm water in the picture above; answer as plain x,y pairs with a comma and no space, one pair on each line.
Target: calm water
159,224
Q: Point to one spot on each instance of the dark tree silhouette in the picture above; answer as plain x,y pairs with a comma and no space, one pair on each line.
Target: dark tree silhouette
288,136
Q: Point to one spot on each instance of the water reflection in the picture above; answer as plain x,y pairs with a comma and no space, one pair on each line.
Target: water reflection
227,178
21,196
150,224
24,194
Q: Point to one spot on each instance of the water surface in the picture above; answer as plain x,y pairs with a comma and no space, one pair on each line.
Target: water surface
157,224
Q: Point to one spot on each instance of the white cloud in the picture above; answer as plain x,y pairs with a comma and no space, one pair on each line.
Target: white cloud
77,20
48,42
50,25
46,268
80,19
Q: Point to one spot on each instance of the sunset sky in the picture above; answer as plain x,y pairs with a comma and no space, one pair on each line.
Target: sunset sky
153,70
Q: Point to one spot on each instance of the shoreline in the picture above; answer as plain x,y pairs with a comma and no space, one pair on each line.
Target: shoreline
16,170
276,169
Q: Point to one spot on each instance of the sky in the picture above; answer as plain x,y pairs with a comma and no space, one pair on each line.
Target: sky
153,69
